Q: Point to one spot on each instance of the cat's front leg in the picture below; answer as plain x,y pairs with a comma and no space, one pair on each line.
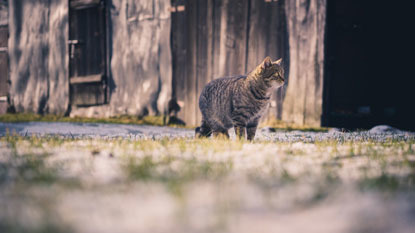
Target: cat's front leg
239,120
251,129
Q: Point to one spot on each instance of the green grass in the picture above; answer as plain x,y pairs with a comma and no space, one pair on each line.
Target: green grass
13,226
29,168
177,162
236,176
174,172
287,175
388,183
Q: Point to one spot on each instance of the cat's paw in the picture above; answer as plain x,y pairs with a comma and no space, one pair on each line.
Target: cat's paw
198,133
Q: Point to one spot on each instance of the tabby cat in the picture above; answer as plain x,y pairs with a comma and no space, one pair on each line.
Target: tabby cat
238,101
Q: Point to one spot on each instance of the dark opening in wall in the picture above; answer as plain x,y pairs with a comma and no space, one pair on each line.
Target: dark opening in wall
88,52
4,69
367,77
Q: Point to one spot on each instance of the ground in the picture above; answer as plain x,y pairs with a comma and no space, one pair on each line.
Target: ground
91,177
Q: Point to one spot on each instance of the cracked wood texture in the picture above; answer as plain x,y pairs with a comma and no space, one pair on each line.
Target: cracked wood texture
213,38
139,67
304,97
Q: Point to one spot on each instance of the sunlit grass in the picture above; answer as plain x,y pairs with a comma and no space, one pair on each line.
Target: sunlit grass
147,120
285,175
174,162
174,172
125,119
275,124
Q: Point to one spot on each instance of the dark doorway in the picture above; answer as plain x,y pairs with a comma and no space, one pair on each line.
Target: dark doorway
4,69
87,52
366,79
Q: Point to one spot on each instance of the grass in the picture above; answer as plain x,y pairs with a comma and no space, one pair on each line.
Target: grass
174,172
13,226
388,183
178,161
146,120
286,176
126,119
28,168
275,125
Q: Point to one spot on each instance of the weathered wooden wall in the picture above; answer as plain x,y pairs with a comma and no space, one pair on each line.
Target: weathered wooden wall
141,60
4,66
212,39
268,37
139,48
38,55
306,26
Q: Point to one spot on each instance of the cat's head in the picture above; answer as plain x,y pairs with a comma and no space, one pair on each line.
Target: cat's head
272,73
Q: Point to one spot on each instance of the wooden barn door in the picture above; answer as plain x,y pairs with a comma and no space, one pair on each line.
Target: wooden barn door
87,52
4,69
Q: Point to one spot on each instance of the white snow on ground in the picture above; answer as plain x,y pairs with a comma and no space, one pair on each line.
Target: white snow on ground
283,182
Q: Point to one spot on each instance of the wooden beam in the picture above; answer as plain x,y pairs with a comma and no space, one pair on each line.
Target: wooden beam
86,79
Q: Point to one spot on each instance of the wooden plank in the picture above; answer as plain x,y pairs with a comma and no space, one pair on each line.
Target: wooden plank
268,37
97,78
4,74
4,69
190,107
4,36
3,107
229,34
260,44
81,4
204,47
235,37
87,94
306,25
217,9
179,55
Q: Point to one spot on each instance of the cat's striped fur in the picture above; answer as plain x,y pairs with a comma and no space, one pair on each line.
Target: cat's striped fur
238,101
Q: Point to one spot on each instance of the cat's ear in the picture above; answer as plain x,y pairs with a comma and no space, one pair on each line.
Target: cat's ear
278,62
267,63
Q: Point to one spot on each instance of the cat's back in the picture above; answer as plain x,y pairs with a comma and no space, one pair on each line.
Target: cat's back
221,87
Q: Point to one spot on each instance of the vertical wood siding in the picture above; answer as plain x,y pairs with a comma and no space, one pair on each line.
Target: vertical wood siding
214,38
